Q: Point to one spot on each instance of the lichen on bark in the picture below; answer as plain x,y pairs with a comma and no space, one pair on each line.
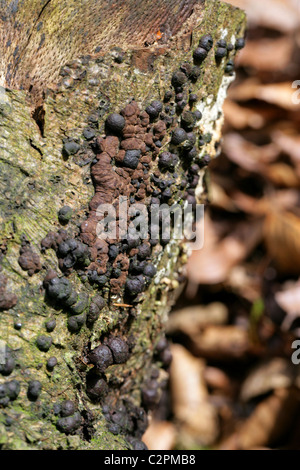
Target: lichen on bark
39,177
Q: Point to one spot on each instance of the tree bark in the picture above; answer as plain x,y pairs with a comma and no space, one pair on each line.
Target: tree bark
66,66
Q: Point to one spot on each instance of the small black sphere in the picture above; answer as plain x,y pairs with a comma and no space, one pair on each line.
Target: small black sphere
65,214
101,357
154,109
51,363
119,349
44,343
50,325
178,79
115,122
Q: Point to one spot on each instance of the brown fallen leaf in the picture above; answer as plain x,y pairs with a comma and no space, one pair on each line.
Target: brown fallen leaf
191,320
195,415
282,239
270,419
272,373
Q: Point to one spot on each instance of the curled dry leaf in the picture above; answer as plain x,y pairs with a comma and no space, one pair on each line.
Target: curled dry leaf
160,435
191,320
270,419
197,417
267,376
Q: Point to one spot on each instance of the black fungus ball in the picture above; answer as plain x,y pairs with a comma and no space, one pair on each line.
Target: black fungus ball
168,95
65,214
13,389
68,408
51,363
240,43
101,357
154,109
34,389
44,343
69,424
198,115
195,73
132,158
96,388
135,285
119,349
199,54
144,251
166,357
137,444
149,270
178,136
3,391
178,79
17,325
113,251
150,396
115,122
220,53
206,42
51,325
162,344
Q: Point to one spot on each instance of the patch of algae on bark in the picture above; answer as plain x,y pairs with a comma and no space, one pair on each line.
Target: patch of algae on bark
35,182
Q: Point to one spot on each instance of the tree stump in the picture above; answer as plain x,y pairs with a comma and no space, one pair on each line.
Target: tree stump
99,99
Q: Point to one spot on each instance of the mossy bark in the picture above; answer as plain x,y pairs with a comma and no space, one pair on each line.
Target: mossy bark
36,180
